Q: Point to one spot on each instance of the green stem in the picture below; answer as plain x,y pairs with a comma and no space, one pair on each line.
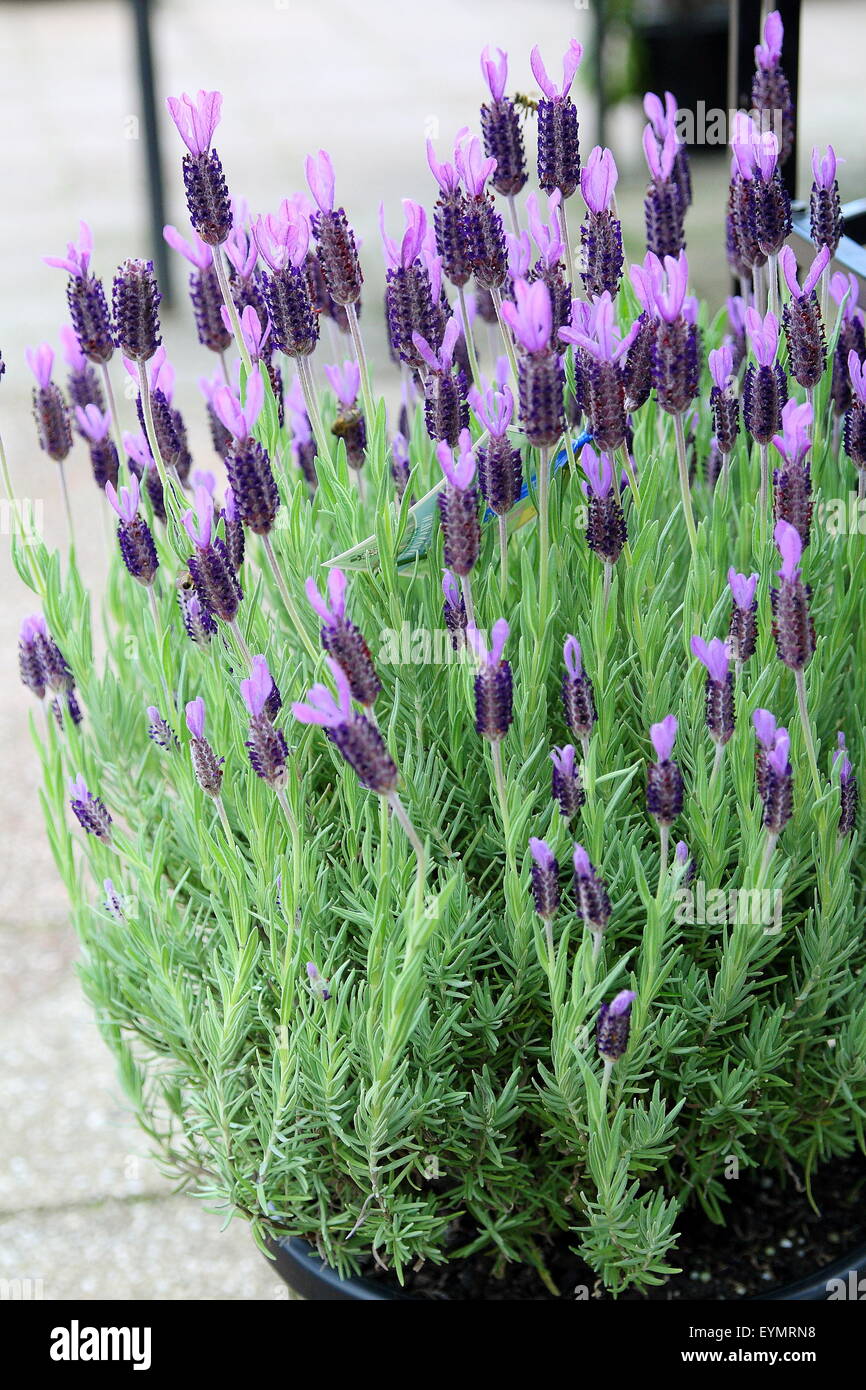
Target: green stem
289,602
543,533
468,335
503,557
806,722
685,488
763,495
506,335
360,354
157,629
219,266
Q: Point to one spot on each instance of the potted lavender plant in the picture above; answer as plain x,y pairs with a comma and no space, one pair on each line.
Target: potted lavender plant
508,947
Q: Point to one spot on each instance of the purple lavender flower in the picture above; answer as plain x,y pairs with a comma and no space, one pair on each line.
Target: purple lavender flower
605,528
207,195
32,641
446,413
591,901
614,1025
484,235
168,423
342,640
83,385
676,345
266,744
844,291
765,741
500,474
95,425
770,90
135,300
684,863
159,731
458,507
113,900
545,879
565,784
765,386
720,687
140,463
200,626
254,488
233,530
558,137
134,537
205,763
724,399
762,202
318,984
601,231
825,208
578,697
449,220
793,628
493,683
605,390
549,266
204,290
743,629
801,317
90,812
283,242
500,127
664,210
736,310
541,381
335,240
411,293
354,736
664,791
854,438
401,466
213,575
49,407
792,484
637,364
663,119
848,792
454,610
778,793
85,296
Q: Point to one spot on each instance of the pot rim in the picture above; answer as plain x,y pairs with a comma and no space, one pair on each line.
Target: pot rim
303,1270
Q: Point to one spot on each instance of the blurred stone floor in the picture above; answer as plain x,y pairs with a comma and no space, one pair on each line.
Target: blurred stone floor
82,1206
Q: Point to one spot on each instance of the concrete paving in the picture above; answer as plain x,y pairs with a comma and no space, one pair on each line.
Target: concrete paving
82,1205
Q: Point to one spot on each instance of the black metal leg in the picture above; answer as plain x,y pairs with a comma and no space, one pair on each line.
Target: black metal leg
144,51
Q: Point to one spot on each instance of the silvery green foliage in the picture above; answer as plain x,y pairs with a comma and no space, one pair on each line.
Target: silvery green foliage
452,1069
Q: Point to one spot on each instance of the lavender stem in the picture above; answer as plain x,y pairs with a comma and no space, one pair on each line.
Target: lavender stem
685,489
231,308
361,356
800,680
112,410
569,258
239,638
763,495
503,557
289,602
664,843
543,531
66,503
496,296
157,629
512,208
469,337
287,811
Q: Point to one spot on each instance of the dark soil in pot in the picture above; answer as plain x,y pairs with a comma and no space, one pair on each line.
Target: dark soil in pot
774,1237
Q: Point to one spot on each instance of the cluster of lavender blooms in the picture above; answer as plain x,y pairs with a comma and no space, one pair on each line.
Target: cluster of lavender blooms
576,381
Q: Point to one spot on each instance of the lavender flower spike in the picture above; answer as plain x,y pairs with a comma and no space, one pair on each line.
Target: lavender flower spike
724,399
793,629
49,407
578,697
134,537
770,90
454,610
601,231
558,145
664,794
250,475
743,630
565,786
206,765
266,744
541,379
135,299
212,572
90,811
207,194
493,683
85,296
545,879
342,640
613,1026
848,792
500,127
605,529
159,730
825,209
338,255
591,901
720,688
458,507
354,736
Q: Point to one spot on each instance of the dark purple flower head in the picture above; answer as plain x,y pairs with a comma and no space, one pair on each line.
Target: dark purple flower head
743,629
848,789
357,739
720,687
493,682
318,984
33,641
613,1026
89,810
591,900
159,731
136,300
664,780
565,787
454,610
545,879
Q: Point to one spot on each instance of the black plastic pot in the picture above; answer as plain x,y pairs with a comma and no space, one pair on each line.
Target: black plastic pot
315,1281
